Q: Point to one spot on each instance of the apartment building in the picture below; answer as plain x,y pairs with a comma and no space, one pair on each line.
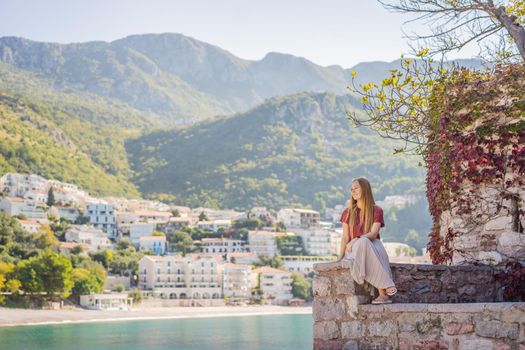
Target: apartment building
102,215
223,245
299,218
177,277
275,284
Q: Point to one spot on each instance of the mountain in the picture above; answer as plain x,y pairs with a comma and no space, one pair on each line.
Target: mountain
33,140
171,75
296,150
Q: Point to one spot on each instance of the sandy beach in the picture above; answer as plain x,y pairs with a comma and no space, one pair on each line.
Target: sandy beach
24,317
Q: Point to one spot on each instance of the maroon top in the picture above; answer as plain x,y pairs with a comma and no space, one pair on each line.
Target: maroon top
358,230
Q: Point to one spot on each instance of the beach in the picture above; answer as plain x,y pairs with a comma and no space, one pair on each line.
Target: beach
30,317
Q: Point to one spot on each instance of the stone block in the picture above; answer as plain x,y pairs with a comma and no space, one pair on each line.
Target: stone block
498,223
353,302
490,258
336,344
345,284
409,322
431,324
351,330
496,329
477,344
321,286
351,345
380,328
459,328
428,344
326,330
502,346
512,243
327,309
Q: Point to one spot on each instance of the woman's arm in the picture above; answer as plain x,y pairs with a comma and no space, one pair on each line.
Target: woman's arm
374,231
344,241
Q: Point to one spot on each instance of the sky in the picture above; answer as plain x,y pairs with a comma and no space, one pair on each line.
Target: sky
342,32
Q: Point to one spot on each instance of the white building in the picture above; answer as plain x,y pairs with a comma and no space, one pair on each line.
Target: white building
299,218
30,225
177,277
102,215
69,213
242,258
214,225
236,281
303,264
95,238
263,242
334,214
106,301
176,223
217,214
153,216
138,230
319,241
31,209
16,185
156,244
276,285
223,245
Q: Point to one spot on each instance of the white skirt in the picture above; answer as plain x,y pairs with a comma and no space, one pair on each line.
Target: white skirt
369,262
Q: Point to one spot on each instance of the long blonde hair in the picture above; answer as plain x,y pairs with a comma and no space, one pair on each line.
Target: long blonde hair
366,215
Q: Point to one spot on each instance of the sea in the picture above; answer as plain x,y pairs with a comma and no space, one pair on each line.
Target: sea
290,332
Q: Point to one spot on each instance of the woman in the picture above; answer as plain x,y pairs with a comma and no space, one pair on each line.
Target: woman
361,243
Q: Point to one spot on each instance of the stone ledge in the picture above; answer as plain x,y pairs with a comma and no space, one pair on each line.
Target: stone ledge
331,266
442,308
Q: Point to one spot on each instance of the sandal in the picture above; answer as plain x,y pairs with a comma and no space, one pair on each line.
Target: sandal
380,300
390,291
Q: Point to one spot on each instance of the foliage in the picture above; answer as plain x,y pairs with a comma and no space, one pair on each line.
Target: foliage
291,151
50,197
137,295
473,146
249,224
104,257
512,279
40,139
398,108
276,262
180,241
125,262
290,245
301,288
48,273
7,282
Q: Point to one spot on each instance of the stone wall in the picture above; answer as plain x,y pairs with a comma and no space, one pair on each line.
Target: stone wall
345,319
475,168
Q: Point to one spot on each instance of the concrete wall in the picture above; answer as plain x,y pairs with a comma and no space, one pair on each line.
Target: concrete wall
345,319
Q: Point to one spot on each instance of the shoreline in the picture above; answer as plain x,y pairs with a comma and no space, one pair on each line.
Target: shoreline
29,317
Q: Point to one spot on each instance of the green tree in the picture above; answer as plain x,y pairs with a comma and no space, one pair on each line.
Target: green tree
180,241
137,295
249,224
276,262
301,288
105,257
203,216
48,273
175,213
497,26
50,197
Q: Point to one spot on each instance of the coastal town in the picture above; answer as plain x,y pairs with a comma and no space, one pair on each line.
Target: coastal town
181,256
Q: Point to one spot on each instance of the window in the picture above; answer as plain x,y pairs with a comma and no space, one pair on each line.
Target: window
158,270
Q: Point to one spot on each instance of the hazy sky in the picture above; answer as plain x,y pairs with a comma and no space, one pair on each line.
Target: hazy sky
343,32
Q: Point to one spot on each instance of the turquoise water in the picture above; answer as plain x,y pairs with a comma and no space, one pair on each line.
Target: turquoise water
247,333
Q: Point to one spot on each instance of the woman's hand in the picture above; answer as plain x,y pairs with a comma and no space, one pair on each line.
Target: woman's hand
349,245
